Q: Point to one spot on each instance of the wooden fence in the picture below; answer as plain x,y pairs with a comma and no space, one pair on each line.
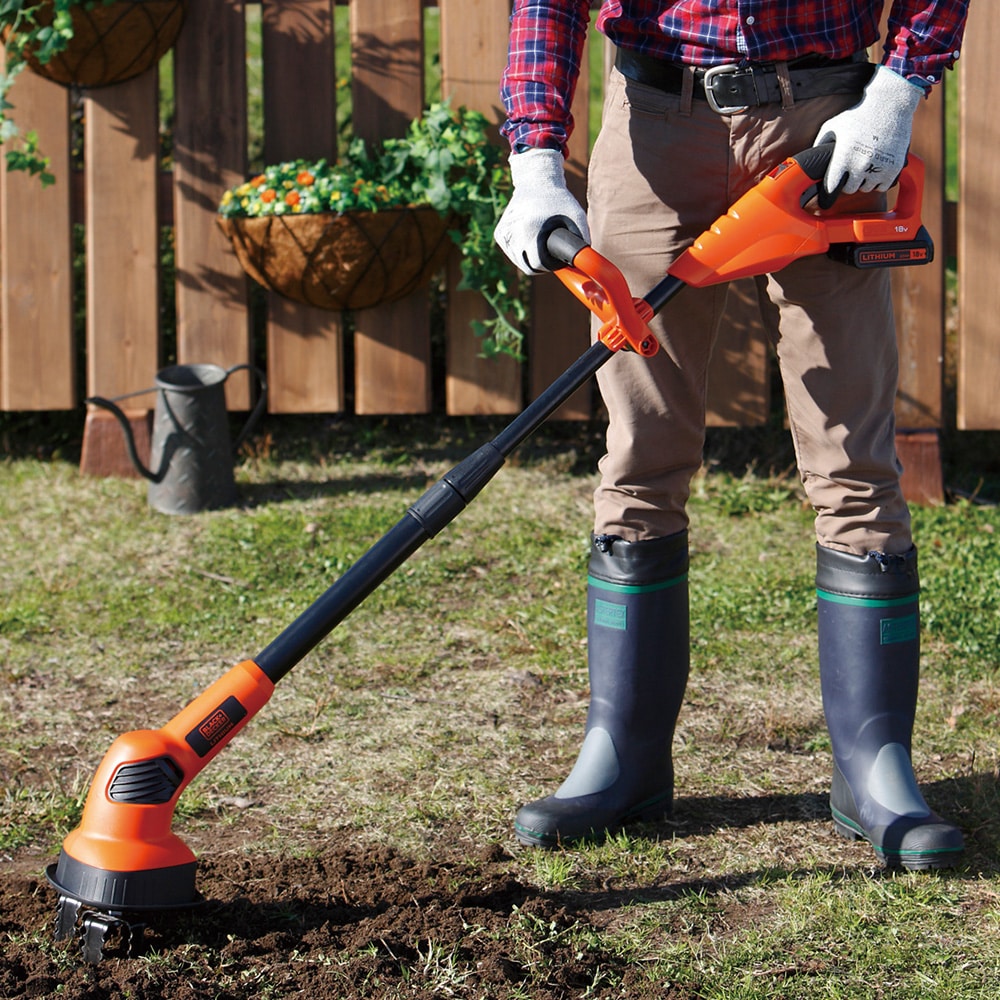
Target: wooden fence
123,200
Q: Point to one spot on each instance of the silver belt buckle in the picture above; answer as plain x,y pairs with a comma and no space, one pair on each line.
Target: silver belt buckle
706,82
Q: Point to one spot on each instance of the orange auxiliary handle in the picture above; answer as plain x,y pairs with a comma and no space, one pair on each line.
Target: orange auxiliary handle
602,288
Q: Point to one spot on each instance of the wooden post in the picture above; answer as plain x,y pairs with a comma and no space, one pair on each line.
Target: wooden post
37,370
304,344
123,267
738,374
920,454
104,452
392,342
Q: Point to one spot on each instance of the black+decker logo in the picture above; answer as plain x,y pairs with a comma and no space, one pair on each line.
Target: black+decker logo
216,726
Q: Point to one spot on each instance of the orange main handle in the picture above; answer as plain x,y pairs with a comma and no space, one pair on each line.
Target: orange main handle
769,227
765,230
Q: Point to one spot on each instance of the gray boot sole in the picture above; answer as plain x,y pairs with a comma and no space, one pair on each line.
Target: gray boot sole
552,823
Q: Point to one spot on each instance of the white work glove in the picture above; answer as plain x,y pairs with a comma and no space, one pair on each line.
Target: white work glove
540,194
871,139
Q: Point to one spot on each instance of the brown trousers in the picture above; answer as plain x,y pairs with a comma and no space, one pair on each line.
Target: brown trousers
664,168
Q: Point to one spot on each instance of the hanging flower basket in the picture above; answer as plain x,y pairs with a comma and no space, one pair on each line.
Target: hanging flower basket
111,42
376,224
350,261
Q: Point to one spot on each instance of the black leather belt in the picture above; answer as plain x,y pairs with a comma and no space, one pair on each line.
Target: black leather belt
733,88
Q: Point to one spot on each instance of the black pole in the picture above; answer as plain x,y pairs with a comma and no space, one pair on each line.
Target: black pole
447,498
438,507
663,292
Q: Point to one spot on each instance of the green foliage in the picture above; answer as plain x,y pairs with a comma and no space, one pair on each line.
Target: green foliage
41,30
960,579
27,157
446,160
449,161
298,187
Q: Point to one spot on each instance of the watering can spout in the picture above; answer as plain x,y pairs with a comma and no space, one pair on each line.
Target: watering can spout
113,408
190,451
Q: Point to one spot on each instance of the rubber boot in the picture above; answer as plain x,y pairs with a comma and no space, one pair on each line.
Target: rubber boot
637,642
869,655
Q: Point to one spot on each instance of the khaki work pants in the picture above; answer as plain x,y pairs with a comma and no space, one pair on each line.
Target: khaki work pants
664,168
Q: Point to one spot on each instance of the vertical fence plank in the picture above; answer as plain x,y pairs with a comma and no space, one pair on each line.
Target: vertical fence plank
392,342
979,244
304,344
210,143
473,54
918,292
37,370
121,153
123,304
919,304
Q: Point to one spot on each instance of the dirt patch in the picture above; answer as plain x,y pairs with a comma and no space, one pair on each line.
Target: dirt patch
346,921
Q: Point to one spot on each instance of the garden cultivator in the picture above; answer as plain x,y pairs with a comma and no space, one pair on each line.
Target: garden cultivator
123,861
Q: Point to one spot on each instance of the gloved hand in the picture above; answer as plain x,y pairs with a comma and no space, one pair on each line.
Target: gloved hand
540,194
871,139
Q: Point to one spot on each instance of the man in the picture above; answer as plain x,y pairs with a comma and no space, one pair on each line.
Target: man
705,98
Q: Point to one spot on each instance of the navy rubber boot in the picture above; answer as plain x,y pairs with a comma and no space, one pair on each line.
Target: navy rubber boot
637,648
869,659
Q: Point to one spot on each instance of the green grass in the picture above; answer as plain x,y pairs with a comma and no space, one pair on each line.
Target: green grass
462,680
830,936
960,603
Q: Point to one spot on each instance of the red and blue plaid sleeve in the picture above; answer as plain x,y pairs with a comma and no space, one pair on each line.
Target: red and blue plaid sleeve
543,64
924,38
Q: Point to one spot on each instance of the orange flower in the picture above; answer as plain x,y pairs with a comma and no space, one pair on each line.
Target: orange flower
268,195
304,178
292,198
257,181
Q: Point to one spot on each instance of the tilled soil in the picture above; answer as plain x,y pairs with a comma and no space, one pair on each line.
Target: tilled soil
345,921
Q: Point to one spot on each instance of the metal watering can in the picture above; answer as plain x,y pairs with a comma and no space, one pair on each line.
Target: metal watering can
190,450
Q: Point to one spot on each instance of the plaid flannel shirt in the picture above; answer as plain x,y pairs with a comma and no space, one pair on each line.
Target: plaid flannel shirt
546,42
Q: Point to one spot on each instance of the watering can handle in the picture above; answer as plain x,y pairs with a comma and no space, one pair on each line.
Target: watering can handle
255,414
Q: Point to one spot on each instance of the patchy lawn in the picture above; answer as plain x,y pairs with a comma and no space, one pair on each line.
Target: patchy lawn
356,839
